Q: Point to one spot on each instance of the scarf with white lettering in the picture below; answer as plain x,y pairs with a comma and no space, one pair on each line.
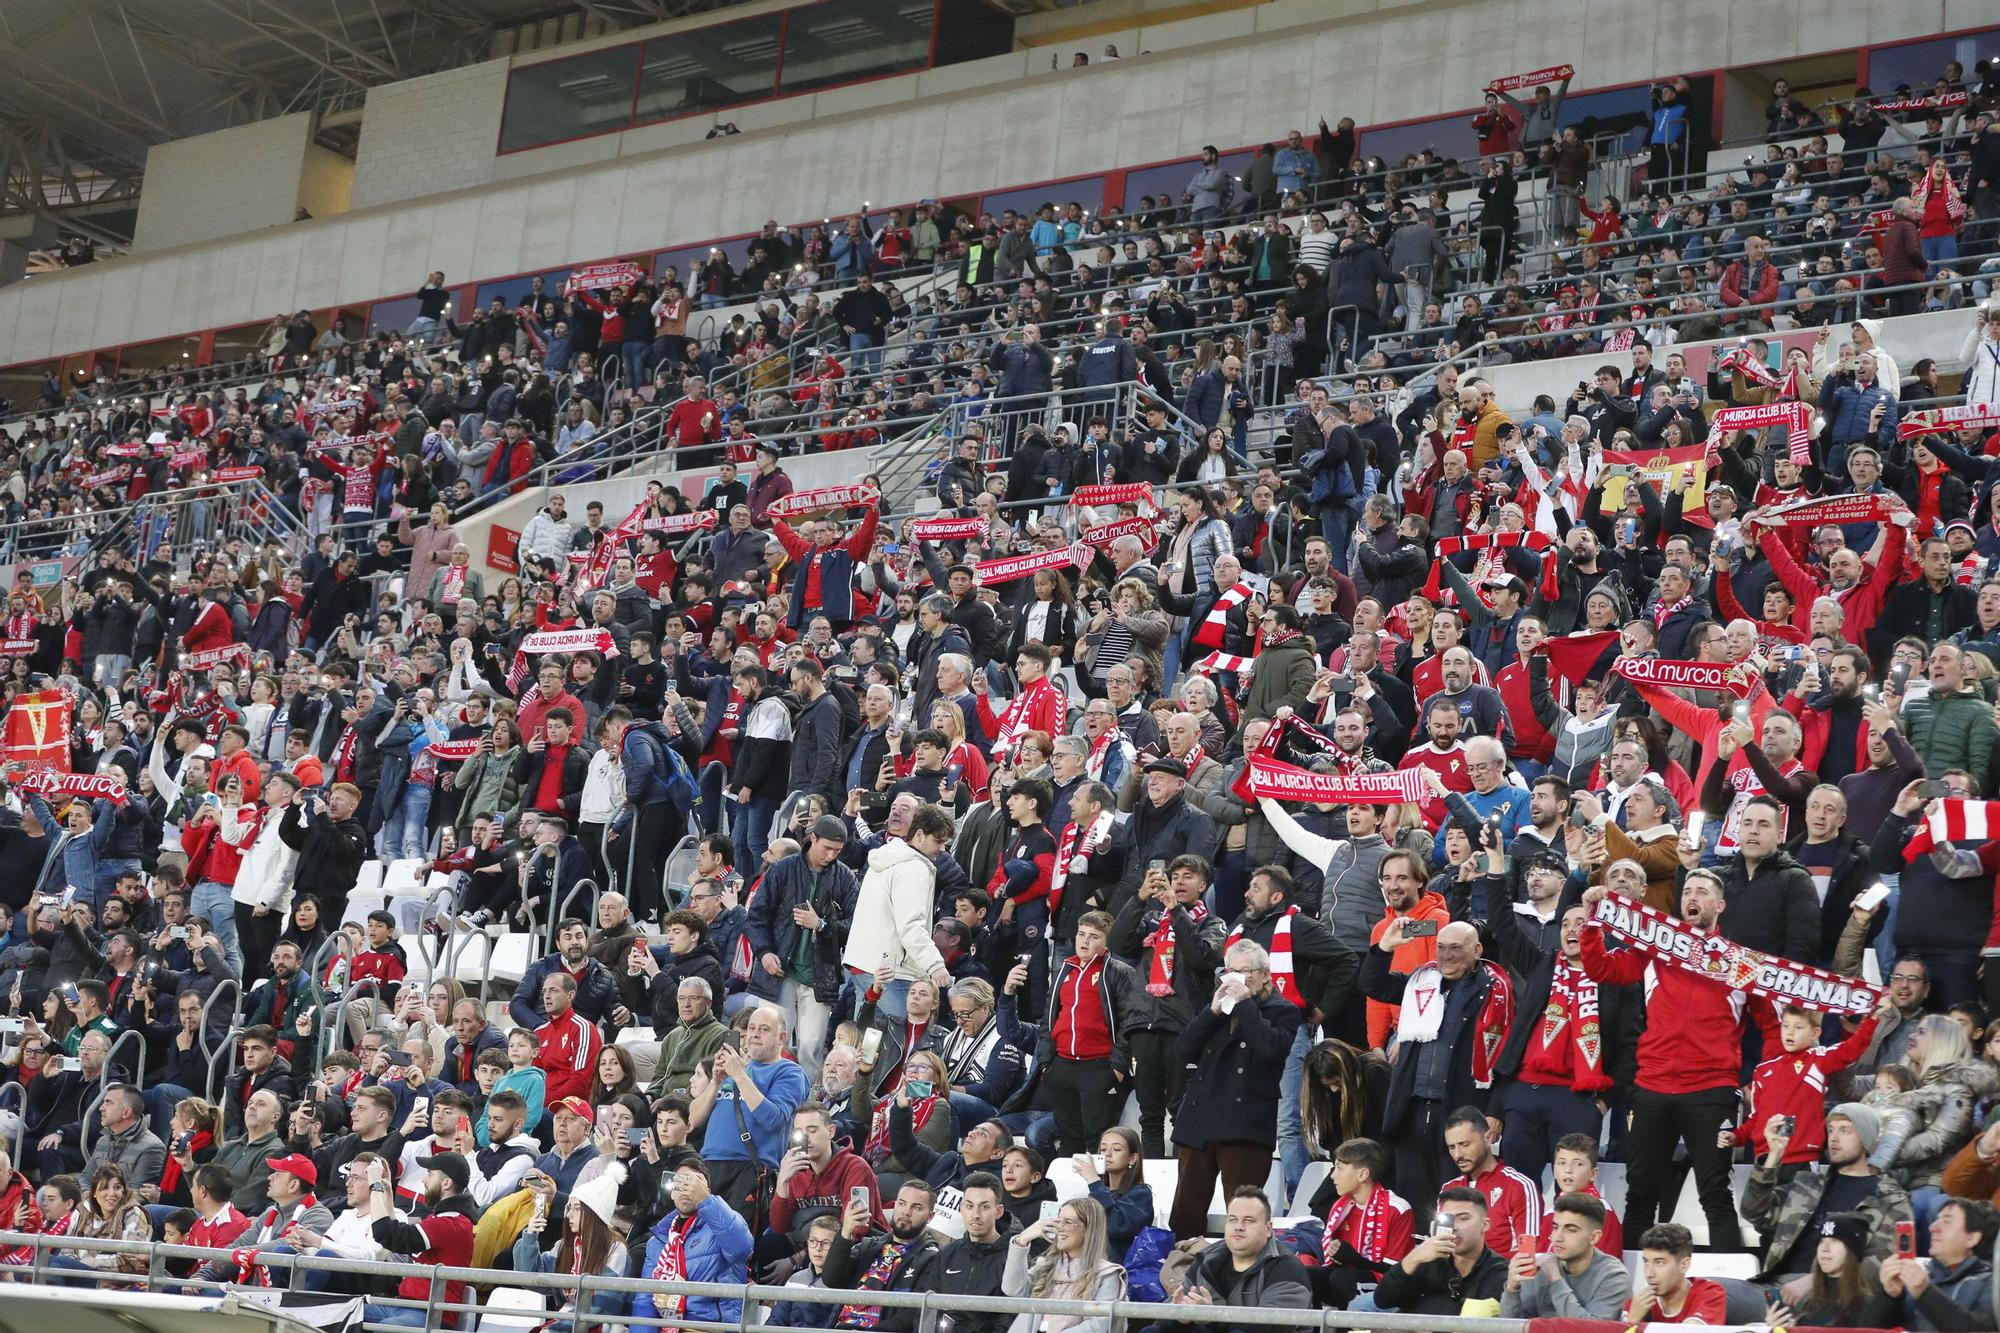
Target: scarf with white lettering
1573,1010
1703,954
1160,979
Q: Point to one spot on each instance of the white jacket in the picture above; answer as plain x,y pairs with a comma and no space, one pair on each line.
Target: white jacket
892,914
547,536
265,877
603,789
1982,372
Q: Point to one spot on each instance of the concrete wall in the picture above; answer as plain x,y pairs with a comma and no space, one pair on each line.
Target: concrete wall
488,217
221,184
326,182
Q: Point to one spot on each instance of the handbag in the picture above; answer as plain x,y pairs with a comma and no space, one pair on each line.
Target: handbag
757,1203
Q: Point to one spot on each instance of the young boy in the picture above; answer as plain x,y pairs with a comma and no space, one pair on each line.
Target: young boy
1576,1173
524,1077
1794,1084
1666,1294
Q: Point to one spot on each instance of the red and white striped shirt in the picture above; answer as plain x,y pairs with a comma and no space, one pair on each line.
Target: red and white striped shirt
1513,1205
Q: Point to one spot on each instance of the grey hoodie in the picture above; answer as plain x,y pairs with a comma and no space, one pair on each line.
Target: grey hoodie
1599,1292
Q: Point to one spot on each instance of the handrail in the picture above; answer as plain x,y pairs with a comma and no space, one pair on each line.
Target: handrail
560,912
926,1303
235,986
137,1080
18,1092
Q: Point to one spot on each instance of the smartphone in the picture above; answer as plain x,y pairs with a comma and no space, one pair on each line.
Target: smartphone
871,1044
1931,789
72,1065
177,932
1441,1225
920,1088
635,1137
1739,713
70,993
1050,1207
400,1059
1421,927
1577,818
1791,1125
1871,898
1906,1240
1157,865
421,1106
857,1197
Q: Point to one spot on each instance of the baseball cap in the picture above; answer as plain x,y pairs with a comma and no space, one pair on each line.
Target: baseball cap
829,828
453,1165
579,1107
296,1164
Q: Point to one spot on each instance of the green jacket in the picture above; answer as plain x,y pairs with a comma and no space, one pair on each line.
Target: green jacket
1783,1216
486,784
1951,731
1283,675
682,1050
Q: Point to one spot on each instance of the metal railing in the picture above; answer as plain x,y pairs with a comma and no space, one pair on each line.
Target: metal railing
290,1270
136,1078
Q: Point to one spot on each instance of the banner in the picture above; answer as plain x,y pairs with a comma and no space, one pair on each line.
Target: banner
1287,782
1113,493
109,477
451,752
1673,675
1008,568
1736,967
1948,420
698,520
1572,656
63,786
1795,417
826,497
240,472
19,647
1812,512
38,730
1942,103
559,641
947,529
596,277
503,549
1101,536
1553,74
1663,469
214,657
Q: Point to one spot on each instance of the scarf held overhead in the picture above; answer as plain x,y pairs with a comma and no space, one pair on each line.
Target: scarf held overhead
1814,512
1684,675
1011,567
1707,955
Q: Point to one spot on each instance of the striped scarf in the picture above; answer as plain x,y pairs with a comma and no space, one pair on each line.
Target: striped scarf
1282,974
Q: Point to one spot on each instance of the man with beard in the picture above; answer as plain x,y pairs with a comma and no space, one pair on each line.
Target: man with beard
1677,612
1892,766
1740,771
1443,755
1313,969
439,1235
973,1264
595,988
1480,709
701,1240
1547,829
1832,722
1689,1060
1168,934
900,1259
1163,826
1859,588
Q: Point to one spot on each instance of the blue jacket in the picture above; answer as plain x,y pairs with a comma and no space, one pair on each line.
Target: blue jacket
1847,403
655,773
717,1249
1109,360
1473,809
596,993
767,920
784,1087
80,855
1209,394
1024,368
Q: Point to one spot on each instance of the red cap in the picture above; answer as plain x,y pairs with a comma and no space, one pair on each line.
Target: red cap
577,1106
297,1164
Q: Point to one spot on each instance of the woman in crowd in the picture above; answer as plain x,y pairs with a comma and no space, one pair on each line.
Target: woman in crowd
1075,1267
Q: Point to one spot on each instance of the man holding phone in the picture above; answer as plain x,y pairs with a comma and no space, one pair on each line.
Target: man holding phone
899,1259
1789,1214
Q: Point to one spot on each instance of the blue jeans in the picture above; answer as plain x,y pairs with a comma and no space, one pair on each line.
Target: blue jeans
213,904
1937,250
895,1001
404,834
635,353
372,1313
750,828
1291,1129
867,356
1336,524
967,1110
1885,941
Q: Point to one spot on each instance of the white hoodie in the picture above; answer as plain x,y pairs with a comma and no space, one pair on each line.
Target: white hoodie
892,914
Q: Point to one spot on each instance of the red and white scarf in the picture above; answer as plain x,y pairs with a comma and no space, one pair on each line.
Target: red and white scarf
1217,622
948,529
1160,979
1739,358
1374,1237
1573,1009
1816,511
1670,674
1282,974
1673,941
1954,821
1421,1016
558,641
1795,417
1100,751
1949,420
1663,612
671,1266
1076,844
454,585
1551,586
1014,722
1272,777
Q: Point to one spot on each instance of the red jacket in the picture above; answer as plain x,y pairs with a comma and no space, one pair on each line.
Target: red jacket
1902,253
1795,1085
1694,1026
694,421
1763,293
212,628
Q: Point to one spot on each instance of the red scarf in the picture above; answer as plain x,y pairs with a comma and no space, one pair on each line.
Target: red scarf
1662,612
454,585
876,1149
1374,1226
1421,1015
1573,1008
1093,763
1282,975
671,1266
1217,622
1447,547
1160,981
343,757
1069,849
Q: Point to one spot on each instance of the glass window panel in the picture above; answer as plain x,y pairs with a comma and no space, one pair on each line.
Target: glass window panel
1921,64
840,41
394,316
1166,183
512,290
567,99
1089,192
1449,136
724,65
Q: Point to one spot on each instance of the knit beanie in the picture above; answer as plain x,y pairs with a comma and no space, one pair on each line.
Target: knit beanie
1867,1122
600,1193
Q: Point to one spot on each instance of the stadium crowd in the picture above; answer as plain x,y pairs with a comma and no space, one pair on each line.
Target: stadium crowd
1329,823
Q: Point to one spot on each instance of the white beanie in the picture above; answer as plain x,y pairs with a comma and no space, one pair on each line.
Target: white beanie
600,1192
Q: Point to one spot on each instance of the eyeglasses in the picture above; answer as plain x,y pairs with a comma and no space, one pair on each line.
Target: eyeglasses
34,1050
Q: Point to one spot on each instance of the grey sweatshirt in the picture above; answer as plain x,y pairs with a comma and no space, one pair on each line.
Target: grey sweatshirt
1599,1292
